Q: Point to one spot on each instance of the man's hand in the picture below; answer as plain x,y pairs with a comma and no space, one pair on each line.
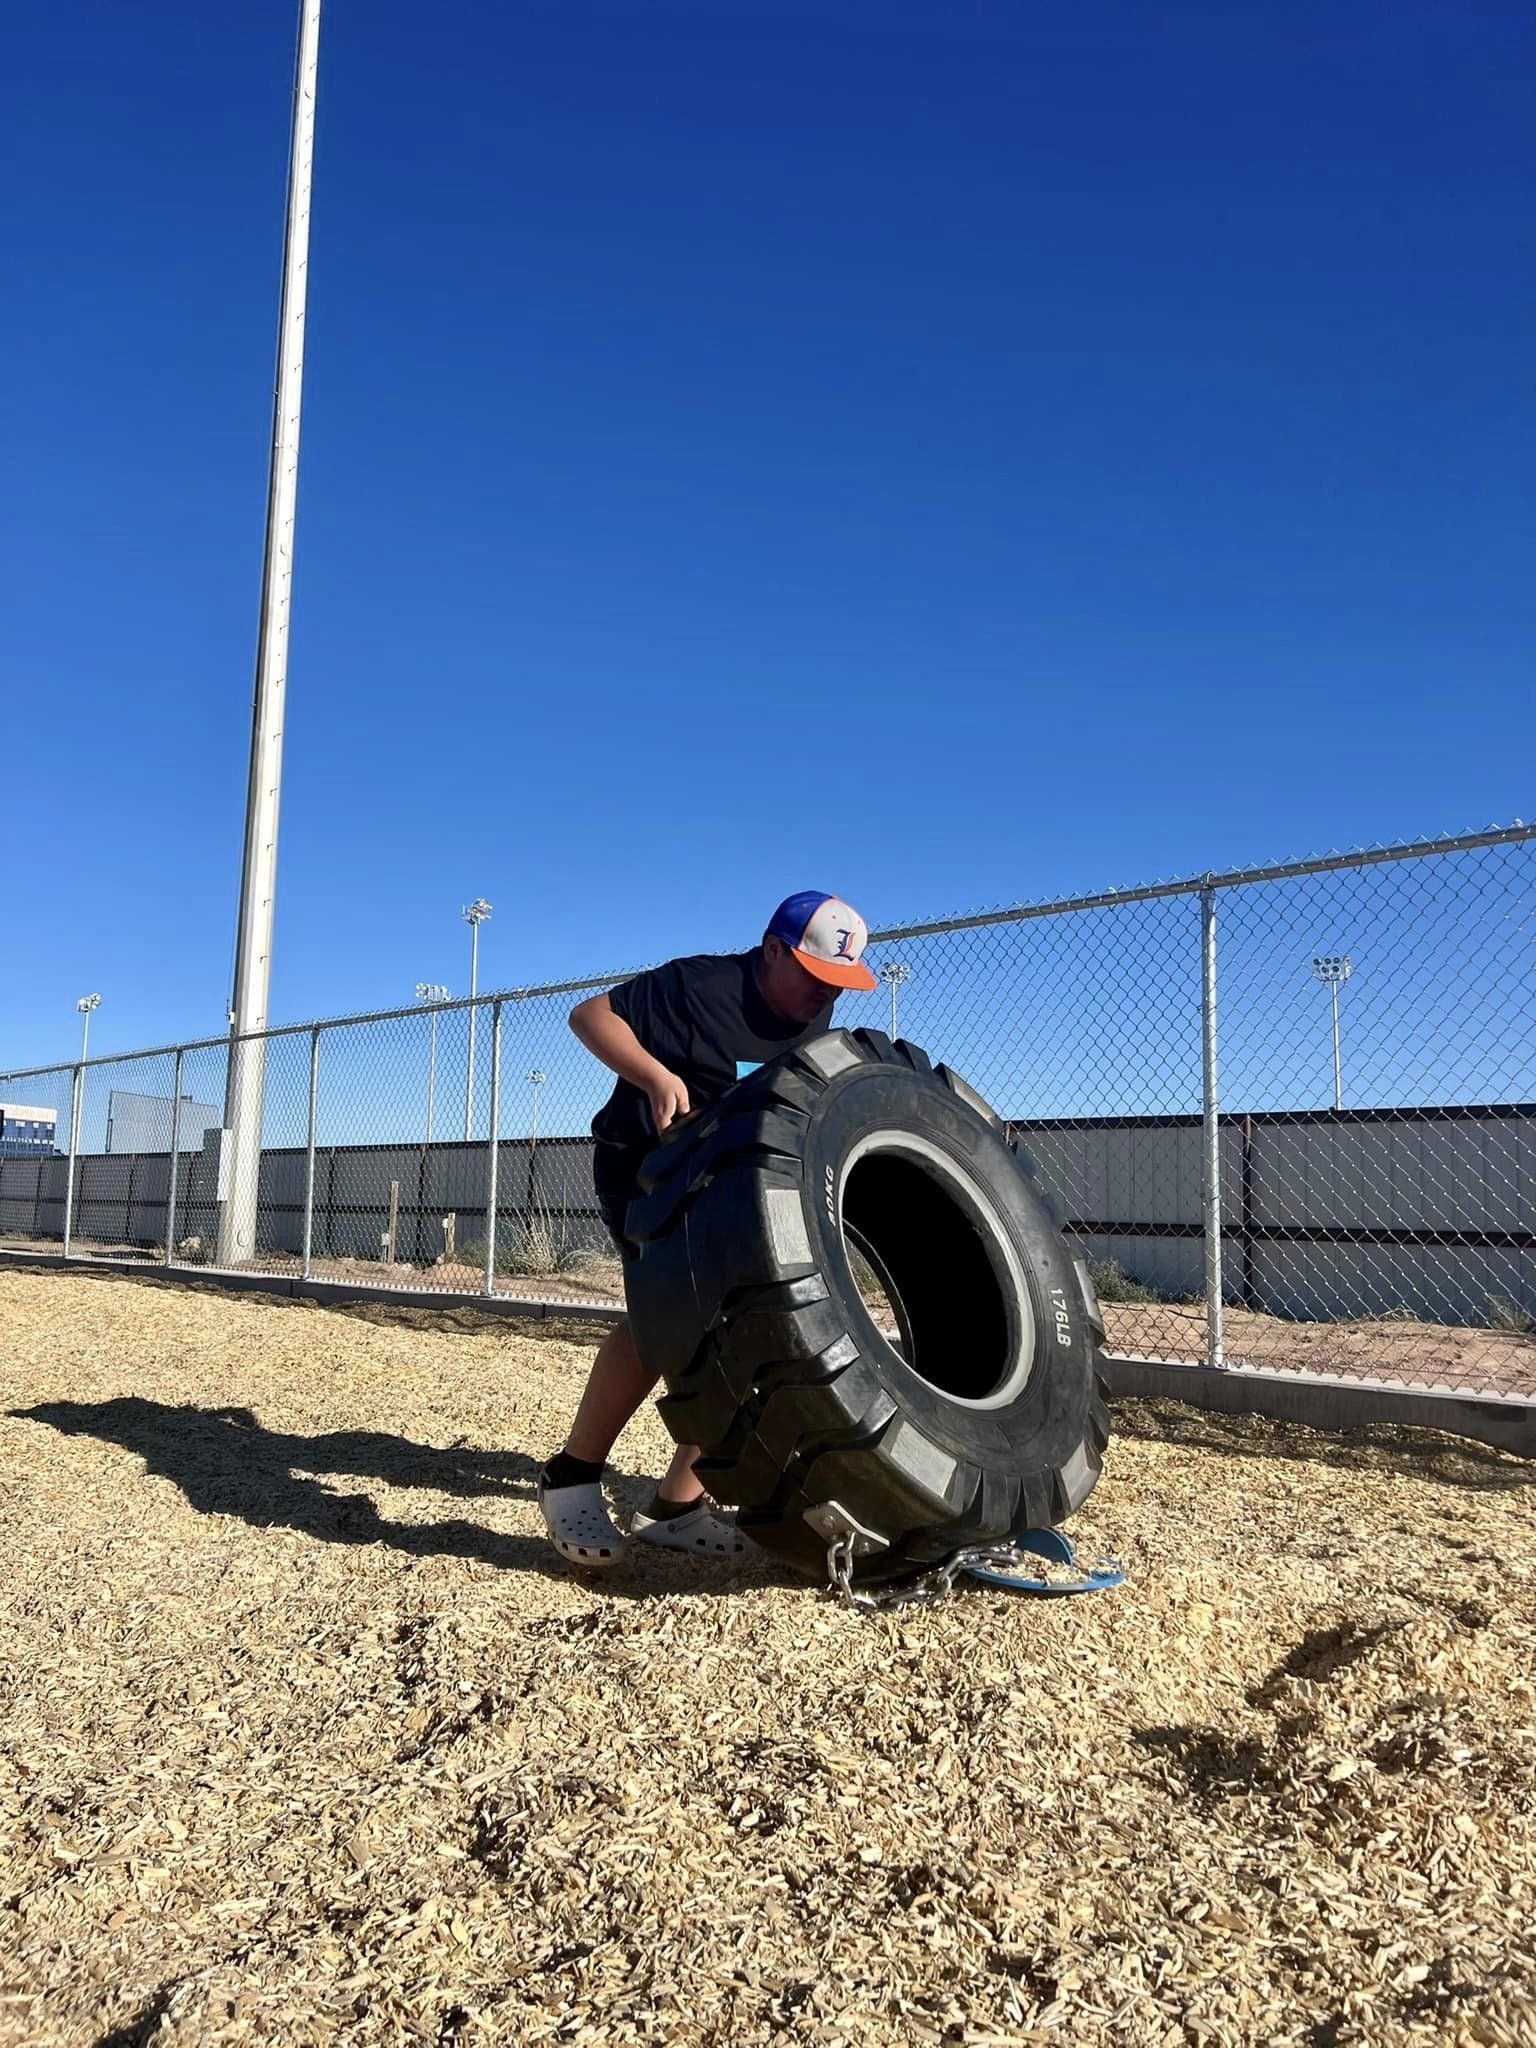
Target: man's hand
602,1031
669,1101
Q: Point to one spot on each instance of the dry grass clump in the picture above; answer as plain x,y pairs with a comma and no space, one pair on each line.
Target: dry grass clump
305,1736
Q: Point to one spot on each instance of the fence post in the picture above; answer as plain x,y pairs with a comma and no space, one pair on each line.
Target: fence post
75,1091
493,1163
170,1193
309,1149
1210,1099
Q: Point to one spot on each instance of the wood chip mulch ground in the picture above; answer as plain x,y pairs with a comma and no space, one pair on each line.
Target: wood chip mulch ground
306,1736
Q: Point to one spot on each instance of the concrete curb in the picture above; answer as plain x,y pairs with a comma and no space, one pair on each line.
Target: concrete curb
1507,1422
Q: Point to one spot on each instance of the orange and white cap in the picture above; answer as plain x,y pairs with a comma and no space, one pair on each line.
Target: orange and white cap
827,936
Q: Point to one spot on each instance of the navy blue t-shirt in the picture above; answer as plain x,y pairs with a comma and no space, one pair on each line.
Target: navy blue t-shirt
705,1019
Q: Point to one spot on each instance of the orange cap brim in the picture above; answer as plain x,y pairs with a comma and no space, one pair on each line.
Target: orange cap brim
840,973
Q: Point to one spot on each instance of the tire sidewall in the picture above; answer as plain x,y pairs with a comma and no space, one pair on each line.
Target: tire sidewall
1045,1419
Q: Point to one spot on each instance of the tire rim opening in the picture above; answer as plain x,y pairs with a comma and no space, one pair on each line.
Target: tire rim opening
876,1291
935,1268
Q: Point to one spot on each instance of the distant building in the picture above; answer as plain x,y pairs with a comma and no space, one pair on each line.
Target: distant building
27,1133
142,1123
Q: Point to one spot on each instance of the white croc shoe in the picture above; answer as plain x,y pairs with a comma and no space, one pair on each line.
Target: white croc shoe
700,1532
579,1524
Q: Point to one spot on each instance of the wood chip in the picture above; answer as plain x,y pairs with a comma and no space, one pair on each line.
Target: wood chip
305,1734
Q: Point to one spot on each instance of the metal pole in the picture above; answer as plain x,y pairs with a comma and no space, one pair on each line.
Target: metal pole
432,1077
493,1163
1210,1180
170,1199
535,1080
894,977
474,982
245,1085
74,1140
309,1149
1338,1072
76,1109
85,1037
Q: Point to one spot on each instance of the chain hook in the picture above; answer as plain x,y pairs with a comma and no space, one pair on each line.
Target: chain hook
924,1591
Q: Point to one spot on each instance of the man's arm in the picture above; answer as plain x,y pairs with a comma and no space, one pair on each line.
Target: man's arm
603,1032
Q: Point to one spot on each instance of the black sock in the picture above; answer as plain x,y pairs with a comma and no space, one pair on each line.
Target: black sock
564,1470
668,1510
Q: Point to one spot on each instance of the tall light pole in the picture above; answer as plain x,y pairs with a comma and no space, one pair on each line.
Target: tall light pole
1334,969
246,1083
87,1006
536,1079
432,992
895,976
474,915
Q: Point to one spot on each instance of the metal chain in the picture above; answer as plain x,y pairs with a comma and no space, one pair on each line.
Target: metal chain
920,1592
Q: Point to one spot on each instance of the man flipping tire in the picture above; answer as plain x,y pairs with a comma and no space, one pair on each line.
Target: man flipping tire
677,1038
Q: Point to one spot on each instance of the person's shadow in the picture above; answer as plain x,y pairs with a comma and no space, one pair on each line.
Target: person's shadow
228,1463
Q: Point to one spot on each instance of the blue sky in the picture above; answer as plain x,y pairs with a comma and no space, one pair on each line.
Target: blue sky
952,456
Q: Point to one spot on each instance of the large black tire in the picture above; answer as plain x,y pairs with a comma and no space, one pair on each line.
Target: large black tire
987,1420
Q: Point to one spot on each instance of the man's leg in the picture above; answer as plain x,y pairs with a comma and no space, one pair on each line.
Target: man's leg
680,1482
570,1490
616,1386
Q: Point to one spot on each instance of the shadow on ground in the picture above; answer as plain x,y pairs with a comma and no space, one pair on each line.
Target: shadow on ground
227,1463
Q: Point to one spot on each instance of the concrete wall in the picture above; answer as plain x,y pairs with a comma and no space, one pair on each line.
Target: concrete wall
123,1201
1324,1215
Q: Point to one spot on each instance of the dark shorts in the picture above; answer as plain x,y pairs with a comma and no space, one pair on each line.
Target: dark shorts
616,1176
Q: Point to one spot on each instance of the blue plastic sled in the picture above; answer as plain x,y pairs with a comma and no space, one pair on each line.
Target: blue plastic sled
1056,1549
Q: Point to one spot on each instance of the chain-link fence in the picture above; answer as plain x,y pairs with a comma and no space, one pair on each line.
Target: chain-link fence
1288,1114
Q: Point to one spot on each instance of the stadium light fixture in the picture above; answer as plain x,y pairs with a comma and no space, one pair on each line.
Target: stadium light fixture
1333,970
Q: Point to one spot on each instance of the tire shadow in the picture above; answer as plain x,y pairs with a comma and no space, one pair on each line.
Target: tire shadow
226,1462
